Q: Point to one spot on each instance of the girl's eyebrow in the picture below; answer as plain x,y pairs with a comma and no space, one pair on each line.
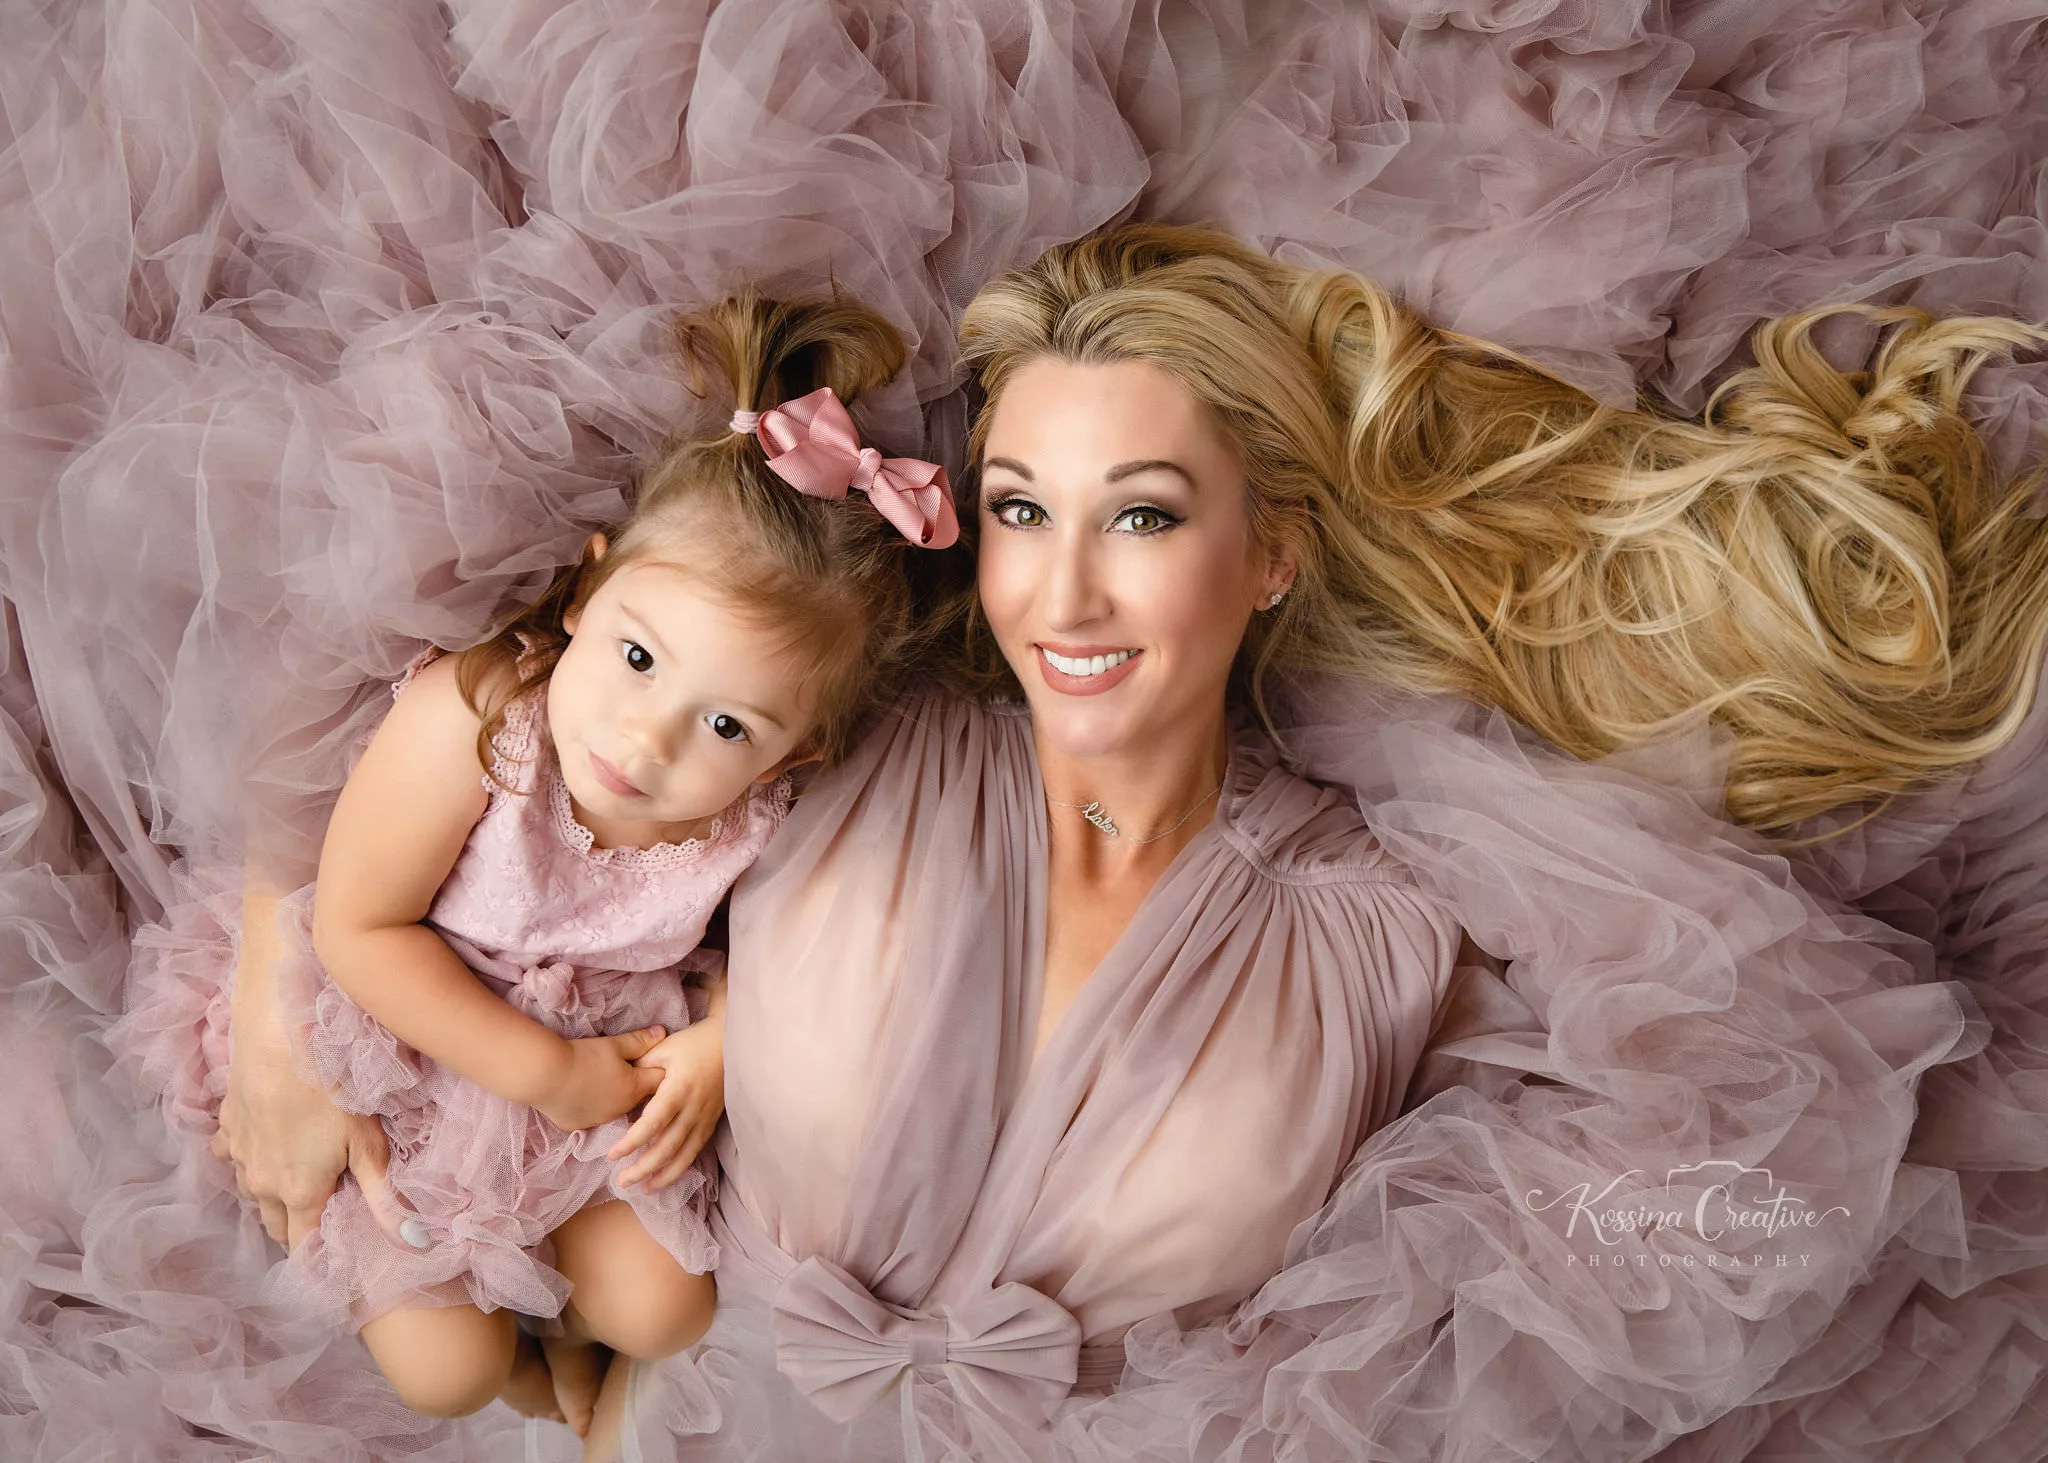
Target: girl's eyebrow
647,631
1115,475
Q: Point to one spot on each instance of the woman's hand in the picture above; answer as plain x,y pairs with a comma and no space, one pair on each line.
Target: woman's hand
290,1145
598,1081
684,1111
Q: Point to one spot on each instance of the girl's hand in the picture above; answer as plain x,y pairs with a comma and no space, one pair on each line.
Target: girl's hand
599,1081
684,1111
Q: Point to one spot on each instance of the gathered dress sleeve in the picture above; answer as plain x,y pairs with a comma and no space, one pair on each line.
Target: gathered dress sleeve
1656,1142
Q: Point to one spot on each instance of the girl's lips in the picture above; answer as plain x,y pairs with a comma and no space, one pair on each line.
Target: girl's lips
608,777
1068,685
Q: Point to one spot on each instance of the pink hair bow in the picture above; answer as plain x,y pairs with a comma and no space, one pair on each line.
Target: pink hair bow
812,445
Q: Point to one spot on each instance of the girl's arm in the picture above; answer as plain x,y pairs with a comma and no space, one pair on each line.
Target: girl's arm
397,830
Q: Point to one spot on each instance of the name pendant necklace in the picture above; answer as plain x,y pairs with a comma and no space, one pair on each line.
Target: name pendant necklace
1095,813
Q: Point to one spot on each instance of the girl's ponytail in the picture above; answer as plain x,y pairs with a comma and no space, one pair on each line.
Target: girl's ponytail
765,352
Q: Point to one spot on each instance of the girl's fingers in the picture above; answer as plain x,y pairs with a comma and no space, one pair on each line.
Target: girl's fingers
658,1152
687,1155
678,1167
653,1118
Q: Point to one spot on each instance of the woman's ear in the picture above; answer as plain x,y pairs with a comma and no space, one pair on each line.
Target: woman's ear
1283,563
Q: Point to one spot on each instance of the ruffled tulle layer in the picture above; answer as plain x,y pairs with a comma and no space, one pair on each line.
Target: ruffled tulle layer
481,1181
330,330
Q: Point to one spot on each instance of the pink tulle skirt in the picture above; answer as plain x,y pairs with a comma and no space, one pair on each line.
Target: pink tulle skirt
478,1183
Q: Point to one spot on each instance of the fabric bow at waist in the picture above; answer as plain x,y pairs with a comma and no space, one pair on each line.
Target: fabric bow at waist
1014,1346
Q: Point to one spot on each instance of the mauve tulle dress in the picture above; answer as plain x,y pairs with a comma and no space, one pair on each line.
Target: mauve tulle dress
1293,1106
587,941
330,329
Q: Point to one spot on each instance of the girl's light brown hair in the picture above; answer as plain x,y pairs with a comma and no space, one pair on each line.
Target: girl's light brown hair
1827,564
830,575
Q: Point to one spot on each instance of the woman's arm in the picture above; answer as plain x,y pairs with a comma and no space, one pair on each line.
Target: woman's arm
288,1142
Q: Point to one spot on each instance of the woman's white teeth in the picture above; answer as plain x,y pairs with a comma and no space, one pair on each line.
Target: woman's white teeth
1087,665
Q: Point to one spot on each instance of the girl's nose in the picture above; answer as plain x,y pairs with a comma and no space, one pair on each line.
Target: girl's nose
654,738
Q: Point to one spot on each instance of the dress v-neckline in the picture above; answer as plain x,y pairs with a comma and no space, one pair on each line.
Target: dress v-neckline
1036,1055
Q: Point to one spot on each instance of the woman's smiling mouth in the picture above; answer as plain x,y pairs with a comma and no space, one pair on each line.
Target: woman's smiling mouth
1087,670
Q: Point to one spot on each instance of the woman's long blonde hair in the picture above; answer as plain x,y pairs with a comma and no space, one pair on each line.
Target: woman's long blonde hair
1827,564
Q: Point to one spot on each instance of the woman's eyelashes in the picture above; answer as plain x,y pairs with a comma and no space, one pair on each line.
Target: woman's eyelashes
1141,520
1016,512
1145,520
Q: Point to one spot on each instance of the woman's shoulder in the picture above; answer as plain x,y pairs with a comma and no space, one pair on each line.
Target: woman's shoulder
1296,830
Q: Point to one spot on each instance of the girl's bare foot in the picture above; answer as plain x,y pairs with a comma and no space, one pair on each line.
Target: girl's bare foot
607,1424
530,1390
578,1371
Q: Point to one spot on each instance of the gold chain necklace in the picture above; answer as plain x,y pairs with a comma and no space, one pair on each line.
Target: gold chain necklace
1095,813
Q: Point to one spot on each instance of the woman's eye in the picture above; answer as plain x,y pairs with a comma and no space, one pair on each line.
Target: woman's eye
727,728
1017,513
1145,520
637,657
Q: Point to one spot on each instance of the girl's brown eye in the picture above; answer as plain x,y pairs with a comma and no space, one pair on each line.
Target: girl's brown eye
638,658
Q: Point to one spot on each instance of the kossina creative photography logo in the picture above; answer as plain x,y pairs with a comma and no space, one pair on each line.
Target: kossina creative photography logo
1719,1201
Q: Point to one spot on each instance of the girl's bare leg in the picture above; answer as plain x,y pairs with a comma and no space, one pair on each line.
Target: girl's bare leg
608,1422
630,1297
446,1362
530,1390
575,1373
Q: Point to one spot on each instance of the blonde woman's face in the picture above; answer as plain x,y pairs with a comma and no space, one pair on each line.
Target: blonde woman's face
666,704
1117,567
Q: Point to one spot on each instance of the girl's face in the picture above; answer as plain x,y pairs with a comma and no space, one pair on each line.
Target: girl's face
1117,567
666,704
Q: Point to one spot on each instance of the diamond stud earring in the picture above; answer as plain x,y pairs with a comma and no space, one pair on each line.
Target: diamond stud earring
1274,602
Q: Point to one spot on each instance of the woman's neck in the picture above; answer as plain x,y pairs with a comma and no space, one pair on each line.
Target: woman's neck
1148,793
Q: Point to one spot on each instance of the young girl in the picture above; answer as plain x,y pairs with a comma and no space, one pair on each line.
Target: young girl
525,858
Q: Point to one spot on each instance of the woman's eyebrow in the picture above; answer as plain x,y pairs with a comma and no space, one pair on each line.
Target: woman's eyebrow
1115,475
1151,464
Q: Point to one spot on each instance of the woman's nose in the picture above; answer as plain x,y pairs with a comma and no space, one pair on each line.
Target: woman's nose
1076,588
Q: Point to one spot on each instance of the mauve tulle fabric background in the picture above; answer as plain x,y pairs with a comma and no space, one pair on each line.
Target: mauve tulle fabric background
329,328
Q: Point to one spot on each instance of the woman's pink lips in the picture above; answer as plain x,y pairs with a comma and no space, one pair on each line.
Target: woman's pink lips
608,775
1068,685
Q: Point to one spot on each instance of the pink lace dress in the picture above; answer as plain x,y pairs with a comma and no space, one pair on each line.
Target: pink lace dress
588,941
